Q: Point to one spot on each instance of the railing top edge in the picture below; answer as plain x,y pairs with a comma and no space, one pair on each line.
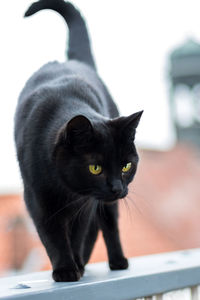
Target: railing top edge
146,275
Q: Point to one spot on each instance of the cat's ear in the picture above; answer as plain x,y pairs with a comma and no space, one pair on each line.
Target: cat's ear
79,130
127,125
76,133
133,120
130,124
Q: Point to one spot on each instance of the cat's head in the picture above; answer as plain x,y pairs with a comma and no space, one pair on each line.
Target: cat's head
98,159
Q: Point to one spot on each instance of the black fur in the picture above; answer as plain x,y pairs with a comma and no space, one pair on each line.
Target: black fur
65,121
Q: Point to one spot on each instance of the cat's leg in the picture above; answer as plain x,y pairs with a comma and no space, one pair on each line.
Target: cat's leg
108,220
78,233
90,240
54,235
83,235
57,243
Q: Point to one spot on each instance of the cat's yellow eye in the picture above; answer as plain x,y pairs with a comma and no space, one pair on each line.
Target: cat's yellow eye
95,169
127,167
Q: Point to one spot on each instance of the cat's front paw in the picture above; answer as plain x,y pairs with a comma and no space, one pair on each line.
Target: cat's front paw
119,264
62,275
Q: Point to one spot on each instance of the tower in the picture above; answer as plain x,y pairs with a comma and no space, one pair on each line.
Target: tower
185,91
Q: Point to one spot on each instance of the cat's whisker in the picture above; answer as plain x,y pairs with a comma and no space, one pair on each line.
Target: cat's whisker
73,218
142,198
62,208
138,194
78,212
133,203
68,205
125,203
84,209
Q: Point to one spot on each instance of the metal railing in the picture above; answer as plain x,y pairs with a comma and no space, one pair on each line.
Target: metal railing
191,293
148,277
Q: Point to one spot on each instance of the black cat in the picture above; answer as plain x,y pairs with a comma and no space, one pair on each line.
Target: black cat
76,155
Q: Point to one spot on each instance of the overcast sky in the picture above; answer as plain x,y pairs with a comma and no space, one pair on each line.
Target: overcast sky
131,41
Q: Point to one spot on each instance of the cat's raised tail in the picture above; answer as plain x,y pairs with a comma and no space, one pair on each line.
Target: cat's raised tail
79,43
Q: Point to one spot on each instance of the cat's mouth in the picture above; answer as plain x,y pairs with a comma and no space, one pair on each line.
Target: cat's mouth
106,198
109,199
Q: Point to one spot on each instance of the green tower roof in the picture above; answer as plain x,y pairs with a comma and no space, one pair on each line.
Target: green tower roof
190,47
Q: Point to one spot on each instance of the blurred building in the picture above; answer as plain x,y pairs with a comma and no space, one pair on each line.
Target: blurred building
185,92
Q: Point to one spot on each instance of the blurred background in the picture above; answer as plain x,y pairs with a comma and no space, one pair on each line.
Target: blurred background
148,54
